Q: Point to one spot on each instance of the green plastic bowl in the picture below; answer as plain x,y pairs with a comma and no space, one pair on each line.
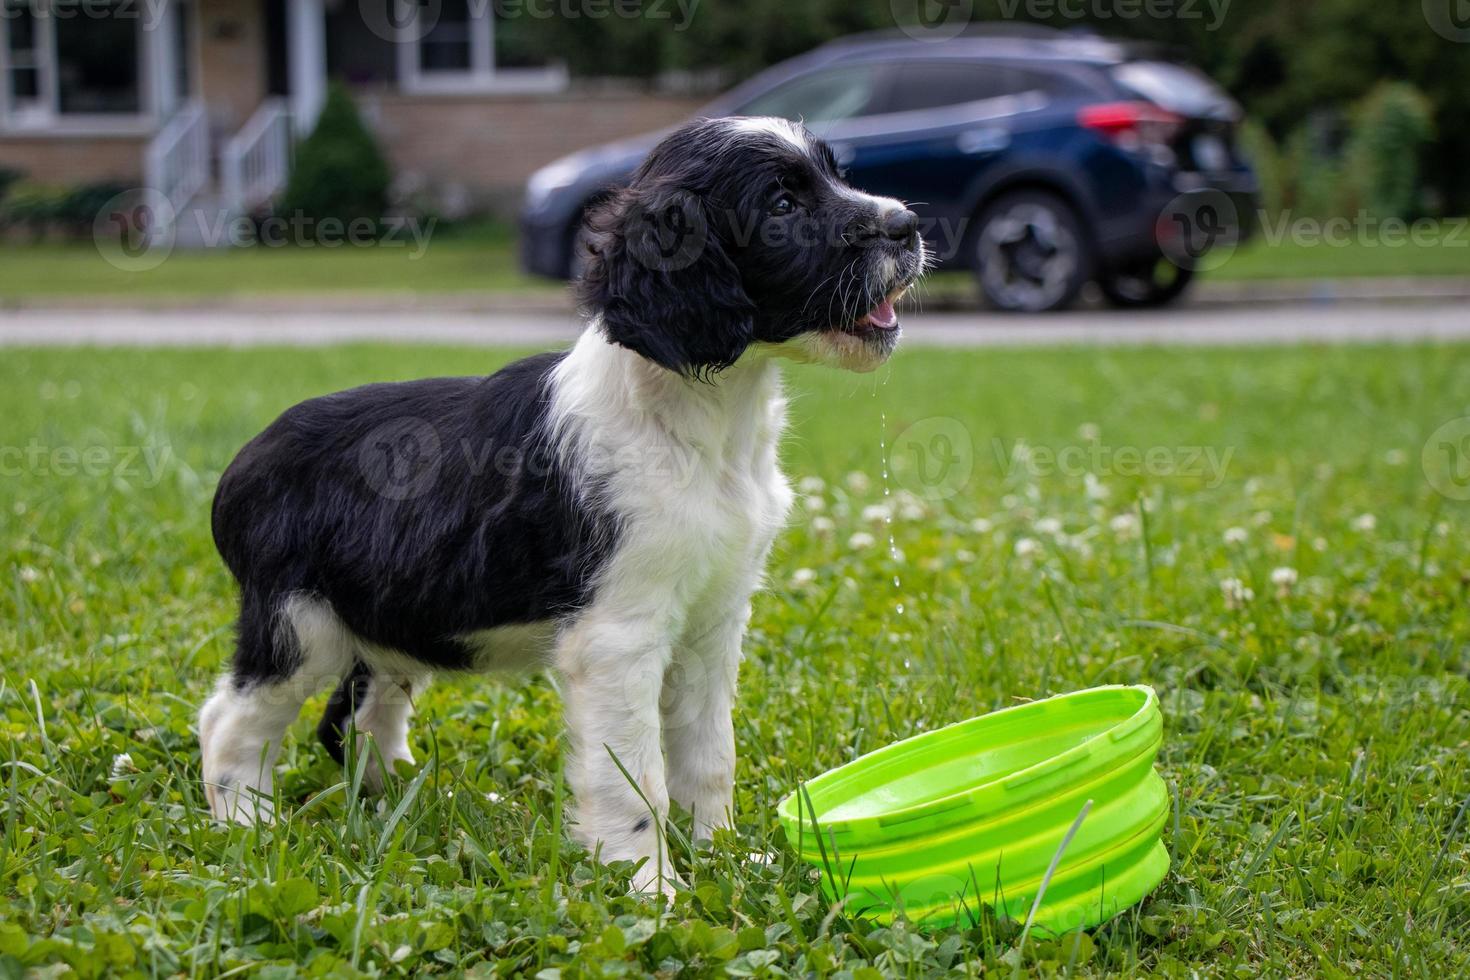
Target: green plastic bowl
941,823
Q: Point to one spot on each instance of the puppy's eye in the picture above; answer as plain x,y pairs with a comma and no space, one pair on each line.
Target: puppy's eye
785,204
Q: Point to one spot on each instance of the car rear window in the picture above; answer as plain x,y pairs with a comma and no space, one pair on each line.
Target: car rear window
1177,88
933,85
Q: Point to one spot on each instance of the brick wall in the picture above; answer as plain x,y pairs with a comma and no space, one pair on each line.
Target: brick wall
484,147
68,160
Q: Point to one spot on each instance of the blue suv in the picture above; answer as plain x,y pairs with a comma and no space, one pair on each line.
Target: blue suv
1038,160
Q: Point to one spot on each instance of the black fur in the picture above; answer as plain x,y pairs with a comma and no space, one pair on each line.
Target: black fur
332,729
688,266
420,511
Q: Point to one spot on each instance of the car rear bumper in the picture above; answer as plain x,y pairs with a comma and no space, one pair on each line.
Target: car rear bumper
1226,204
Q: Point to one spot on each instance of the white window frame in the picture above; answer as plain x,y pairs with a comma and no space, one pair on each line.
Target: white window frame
50,120
482,77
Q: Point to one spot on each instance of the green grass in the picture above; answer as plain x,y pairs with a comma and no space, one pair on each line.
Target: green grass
484,259
1317,742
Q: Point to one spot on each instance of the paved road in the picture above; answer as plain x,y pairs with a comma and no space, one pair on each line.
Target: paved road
1228,325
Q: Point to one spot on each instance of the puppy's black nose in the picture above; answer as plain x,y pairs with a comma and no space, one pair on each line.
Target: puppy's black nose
901,225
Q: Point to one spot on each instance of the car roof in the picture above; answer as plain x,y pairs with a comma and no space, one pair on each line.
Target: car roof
985,42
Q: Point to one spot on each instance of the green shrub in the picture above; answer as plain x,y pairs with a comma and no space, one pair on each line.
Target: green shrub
1391,128
32,207
1315,184
1266,159
340,172
8,177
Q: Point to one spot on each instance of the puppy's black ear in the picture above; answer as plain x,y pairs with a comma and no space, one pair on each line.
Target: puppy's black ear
659,278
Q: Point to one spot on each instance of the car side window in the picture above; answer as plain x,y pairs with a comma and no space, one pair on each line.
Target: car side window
933,85
822,97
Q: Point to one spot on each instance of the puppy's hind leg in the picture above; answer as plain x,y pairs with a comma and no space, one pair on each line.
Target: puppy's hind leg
288,648
378,703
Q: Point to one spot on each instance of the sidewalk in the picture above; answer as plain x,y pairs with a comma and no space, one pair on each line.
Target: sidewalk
942,296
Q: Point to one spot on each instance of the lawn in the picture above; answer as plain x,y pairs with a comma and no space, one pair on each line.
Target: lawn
1115,517
482,258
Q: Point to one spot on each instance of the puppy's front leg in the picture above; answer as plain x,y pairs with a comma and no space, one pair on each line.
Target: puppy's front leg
613,674
699,734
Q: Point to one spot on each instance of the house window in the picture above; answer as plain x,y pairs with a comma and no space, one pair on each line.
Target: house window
97,62
464,49
67,61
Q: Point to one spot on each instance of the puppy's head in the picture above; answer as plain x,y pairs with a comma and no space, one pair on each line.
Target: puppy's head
741,232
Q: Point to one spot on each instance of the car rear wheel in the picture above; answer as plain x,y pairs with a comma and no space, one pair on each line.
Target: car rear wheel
1030,252
1152,282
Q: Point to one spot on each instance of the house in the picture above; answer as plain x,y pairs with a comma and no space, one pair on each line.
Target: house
197,98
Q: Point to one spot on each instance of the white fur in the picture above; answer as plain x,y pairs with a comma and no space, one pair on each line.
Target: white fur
649,669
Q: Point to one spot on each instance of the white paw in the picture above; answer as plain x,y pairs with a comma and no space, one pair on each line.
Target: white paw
235,800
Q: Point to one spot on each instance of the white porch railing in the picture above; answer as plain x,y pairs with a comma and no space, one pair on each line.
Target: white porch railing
256,161
176,163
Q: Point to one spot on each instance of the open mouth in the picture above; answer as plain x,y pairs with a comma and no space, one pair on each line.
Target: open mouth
881,318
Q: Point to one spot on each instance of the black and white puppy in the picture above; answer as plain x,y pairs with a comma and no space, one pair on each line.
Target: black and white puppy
606,511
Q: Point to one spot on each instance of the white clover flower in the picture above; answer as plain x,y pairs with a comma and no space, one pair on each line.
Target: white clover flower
1125,525
912,512
1319,544
1284,579
1027,547
1261,518
1236,593
29,574
857,481
811,484
803,577
860,541
122,765
877,514
964,556
1236,535
981,526
1365,523
1089,432
823,527
814,503
1048,525
1095,488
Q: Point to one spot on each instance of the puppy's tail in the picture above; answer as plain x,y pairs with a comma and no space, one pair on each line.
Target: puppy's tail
344,701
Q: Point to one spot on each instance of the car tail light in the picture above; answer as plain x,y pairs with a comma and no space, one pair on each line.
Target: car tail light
1132,124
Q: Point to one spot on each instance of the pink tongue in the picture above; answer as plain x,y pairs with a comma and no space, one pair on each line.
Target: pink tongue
883,315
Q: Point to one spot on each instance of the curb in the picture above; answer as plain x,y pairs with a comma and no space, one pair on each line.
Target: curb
951,295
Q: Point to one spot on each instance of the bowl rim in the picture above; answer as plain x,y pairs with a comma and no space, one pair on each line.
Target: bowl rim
792,811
